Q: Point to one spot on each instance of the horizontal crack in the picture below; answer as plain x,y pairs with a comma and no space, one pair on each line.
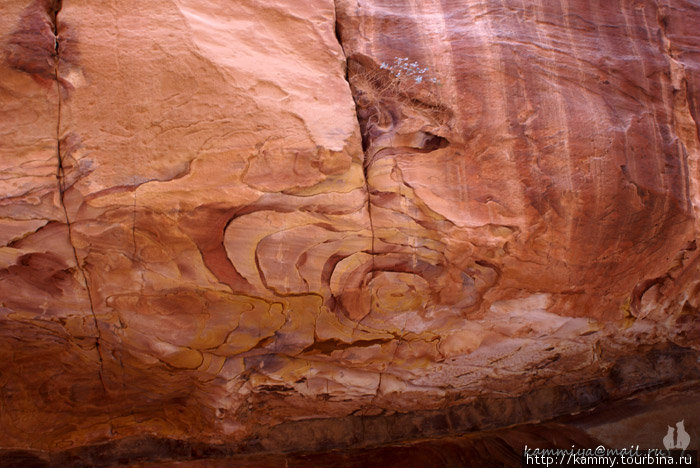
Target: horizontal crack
328,346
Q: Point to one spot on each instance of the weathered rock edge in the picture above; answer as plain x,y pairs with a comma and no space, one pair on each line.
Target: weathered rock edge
671,364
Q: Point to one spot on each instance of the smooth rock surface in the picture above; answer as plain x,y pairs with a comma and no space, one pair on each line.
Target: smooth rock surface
247,223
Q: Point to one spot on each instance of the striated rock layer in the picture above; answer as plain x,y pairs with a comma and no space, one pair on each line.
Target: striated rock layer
264,223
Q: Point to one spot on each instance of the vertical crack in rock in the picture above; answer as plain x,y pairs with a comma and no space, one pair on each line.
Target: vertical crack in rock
54,7
366,160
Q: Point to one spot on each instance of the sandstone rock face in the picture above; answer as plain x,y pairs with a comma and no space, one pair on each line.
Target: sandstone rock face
251,222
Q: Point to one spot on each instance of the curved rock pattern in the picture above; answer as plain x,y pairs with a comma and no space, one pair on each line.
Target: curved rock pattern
219,219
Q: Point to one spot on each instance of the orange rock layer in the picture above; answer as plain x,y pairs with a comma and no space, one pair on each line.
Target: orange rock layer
250,222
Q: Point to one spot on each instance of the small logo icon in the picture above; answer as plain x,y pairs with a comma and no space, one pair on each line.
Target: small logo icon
677,439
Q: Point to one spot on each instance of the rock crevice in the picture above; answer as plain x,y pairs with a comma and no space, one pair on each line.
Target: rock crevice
54,8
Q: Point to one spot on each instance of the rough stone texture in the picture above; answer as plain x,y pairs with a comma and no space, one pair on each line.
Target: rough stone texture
250,222
500,448
638,424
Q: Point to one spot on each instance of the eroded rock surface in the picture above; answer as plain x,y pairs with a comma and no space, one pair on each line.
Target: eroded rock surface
249,222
